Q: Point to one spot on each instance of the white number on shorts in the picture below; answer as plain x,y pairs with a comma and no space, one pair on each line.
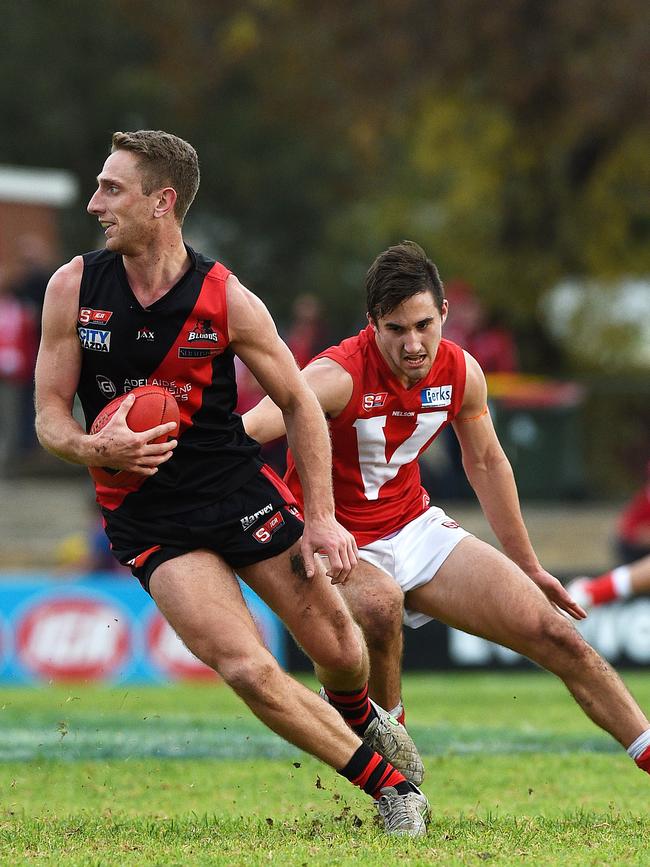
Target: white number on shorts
371,441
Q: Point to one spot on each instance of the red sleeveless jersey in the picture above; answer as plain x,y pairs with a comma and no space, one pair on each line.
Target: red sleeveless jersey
380,434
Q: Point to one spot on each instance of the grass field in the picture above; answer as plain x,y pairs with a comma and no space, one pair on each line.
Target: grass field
185,775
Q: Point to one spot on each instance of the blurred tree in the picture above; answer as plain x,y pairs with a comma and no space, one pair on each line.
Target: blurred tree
510,139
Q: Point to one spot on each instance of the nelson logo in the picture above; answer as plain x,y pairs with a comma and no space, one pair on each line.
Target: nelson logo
203,330
95,339
438,396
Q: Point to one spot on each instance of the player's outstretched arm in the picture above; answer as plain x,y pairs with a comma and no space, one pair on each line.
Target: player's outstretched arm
255,339
331,384
490,474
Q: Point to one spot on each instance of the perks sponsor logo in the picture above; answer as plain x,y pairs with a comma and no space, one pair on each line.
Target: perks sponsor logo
73,637
263,534
95,339
248,520
438,396
203,330
374,401
88,315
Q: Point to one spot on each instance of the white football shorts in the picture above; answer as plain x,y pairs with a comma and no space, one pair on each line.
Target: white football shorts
413,555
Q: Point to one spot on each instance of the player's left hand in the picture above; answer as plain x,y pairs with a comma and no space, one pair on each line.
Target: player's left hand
557,594
328,536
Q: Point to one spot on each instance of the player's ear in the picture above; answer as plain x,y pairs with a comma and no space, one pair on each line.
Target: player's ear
444,309
165,201
371,321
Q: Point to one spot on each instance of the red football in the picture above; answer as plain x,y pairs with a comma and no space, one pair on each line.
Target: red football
153,405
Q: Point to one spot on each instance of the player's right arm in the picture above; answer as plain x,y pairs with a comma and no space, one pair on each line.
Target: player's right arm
331,384
58,368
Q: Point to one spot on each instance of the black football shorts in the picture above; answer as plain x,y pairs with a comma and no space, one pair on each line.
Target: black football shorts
258,521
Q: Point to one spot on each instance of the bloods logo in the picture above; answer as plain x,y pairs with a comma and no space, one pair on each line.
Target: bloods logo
374,401
87,314
203,330
95,339
264,533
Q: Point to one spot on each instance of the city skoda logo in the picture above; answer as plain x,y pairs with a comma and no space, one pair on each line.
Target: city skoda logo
438,396
95,338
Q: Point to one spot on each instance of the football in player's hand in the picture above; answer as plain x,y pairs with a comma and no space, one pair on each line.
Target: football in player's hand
153,405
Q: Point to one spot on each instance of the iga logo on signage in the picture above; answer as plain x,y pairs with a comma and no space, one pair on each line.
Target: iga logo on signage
169,653
72,637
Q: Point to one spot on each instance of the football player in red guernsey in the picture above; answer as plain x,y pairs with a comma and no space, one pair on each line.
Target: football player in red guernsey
388,392
150,310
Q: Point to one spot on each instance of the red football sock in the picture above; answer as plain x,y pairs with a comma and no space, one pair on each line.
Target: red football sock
371,773
602,589
354,707
644,760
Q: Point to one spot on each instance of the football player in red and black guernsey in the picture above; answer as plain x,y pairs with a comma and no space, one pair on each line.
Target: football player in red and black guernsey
388,392
148,309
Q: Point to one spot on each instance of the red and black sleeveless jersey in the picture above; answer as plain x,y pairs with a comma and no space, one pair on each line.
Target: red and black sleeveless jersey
378,437
181,343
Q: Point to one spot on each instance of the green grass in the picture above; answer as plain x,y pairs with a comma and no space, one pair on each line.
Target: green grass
184,775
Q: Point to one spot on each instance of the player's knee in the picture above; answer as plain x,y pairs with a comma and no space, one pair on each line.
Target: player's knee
381,618
341,649
251,676
560,639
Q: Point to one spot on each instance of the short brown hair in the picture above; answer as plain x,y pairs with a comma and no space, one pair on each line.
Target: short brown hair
397,274
165,160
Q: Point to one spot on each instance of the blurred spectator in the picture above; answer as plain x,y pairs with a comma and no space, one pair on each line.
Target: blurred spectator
27,282
82,554
32,271
632,540
249,394
18,346
632,579
484,335
308,333
490,341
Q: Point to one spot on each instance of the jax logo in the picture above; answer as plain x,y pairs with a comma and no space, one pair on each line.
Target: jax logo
374,401
170,655
73,637
95,339
439,395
